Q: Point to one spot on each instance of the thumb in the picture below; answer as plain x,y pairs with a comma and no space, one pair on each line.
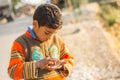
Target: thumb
63,62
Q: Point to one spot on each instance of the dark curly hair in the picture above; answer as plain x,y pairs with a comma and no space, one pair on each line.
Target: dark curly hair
48,15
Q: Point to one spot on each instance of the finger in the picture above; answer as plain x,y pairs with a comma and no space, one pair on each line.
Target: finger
53,61
63,62
56,67
60,66
51,67
50,63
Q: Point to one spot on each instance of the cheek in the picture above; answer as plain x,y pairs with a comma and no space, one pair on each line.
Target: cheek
41,36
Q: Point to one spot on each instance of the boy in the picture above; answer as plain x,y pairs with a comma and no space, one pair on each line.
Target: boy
40,54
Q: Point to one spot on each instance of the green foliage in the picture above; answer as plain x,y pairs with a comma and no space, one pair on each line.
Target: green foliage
109,13
77,3
15,2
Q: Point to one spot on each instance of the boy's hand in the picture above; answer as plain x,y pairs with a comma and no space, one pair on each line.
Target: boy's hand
50,64
57,64
44,63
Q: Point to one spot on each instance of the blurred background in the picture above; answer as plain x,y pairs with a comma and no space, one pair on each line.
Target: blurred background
91,30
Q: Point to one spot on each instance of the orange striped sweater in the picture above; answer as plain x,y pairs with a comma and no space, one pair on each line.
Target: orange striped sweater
26,50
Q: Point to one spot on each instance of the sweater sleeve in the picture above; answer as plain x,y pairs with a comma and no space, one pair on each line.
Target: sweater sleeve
68,57
18,68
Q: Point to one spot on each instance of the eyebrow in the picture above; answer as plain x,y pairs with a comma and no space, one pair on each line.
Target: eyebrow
48,31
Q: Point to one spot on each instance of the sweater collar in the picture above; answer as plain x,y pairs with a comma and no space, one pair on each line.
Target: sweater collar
30,33
30,29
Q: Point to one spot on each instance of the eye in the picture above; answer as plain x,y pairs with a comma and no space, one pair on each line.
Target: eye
46,33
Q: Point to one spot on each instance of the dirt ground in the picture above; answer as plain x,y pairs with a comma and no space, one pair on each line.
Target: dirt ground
95,59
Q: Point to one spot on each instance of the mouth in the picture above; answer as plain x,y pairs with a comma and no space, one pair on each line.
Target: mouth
44,40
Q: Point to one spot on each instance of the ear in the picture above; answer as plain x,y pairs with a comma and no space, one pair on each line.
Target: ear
35,24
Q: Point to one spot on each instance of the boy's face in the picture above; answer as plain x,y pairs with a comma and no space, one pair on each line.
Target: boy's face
44,33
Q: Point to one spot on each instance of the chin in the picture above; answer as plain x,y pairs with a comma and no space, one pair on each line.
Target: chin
44,40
